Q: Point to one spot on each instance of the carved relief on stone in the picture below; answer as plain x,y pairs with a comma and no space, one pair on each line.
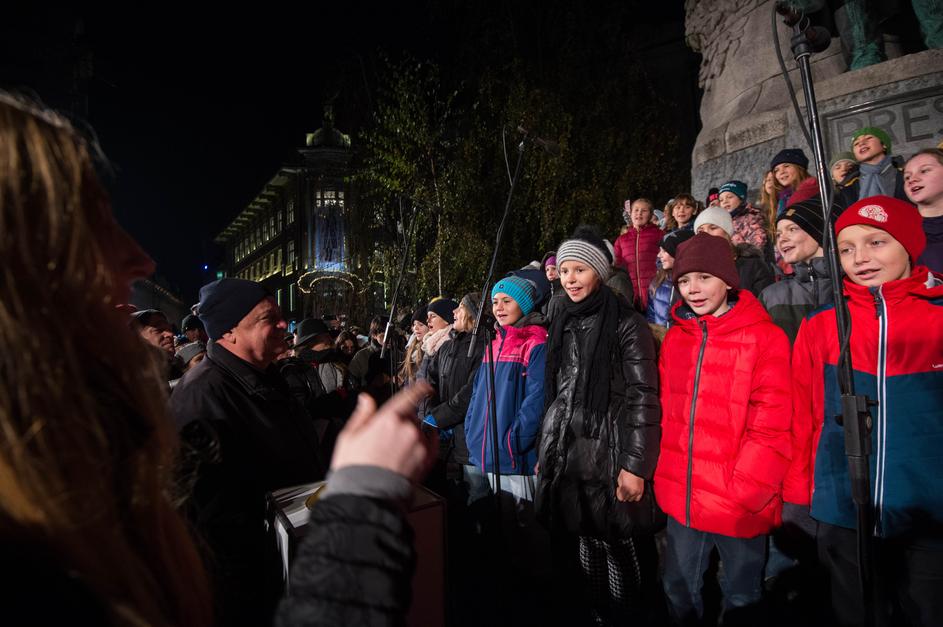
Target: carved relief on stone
715,28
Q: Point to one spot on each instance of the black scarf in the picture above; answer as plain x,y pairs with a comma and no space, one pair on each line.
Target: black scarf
596,353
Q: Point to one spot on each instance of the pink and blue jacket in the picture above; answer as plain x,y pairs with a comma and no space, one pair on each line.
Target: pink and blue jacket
520,357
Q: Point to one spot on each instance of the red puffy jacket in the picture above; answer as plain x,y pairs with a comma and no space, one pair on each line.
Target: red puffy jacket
636,251
726,417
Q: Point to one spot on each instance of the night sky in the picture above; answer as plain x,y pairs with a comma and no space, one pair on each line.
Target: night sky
198,108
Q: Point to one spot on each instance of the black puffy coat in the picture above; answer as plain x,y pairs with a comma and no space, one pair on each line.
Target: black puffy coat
577,478
756,274
452,374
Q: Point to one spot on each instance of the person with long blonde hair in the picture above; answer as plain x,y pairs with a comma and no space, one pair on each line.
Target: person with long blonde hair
86,445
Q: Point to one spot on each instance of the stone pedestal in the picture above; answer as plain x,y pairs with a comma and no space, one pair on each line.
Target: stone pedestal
746,113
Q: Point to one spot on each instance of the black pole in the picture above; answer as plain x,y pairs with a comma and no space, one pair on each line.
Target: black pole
854,417
408,238
495,464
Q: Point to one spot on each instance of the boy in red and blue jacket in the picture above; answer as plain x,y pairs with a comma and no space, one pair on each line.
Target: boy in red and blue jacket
896,313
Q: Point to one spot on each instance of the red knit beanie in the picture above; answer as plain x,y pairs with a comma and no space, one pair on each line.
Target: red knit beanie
899,218
707,253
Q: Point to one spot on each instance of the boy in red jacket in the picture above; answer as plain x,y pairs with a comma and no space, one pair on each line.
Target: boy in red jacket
725,396
896,313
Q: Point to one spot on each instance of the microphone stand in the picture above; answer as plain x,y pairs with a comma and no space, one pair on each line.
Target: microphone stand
408,231
854,417
493,408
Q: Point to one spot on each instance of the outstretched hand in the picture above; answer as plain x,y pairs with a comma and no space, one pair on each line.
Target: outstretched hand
388,437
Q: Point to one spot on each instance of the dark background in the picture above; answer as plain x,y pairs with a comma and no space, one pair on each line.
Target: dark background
197,108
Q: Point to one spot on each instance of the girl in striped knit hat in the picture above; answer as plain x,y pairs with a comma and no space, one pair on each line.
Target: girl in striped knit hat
600,435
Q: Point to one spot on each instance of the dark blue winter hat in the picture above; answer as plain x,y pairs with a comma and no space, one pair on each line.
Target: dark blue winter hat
225,302
790,155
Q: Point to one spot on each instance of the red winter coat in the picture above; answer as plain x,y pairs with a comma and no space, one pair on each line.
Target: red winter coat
636,251
726,407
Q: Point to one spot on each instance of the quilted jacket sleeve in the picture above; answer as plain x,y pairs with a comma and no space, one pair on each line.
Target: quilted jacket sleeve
797,486
765,446
354,568
451,411
640,422
619,248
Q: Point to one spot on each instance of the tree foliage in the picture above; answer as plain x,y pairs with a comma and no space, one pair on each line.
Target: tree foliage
437,139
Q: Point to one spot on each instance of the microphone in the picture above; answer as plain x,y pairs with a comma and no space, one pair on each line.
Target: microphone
549,147
793,13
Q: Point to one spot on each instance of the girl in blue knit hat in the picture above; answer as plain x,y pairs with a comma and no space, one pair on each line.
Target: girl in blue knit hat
749,224
518,347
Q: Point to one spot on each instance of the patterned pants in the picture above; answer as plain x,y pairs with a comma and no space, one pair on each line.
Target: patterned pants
613,578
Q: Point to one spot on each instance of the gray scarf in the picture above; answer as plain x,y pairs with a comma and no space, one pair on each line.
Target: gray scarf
871,182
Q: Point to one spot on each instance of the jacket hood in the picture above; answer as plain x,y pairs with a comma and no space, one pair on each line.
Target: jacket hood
745,310
817,268
748,250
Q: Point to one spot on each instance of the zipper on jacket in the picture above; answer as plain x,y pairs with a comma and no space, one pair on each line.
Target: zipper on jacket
881,426
697,381
638,266
491,390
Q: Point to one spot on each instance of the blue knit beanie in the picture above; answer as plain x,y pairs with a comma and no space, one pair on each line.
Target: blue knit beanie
521,290
225,302
739,188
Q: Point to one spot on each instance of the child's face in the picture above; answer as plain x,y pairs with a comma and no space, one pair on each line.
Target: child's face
667,261
641,214
794,244
551,272
787,174
729,201
578,279
505,309
868,149
840,170
870,256
923,180
769,183
420,328
704,293
436,322
713,229
682,212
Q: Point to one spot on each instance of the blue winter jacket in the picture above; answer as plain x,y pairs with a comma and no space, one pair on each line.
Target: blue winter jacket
660,302
520,357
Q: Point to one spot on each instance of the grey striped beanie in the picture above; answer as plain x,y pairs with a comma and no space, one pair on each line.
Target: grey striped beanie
587,246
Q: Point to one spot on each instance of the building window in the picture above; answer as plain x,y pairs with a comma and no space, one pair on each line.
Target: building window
281,219
291,212
271,226
278,296
290,258
291,297
278,260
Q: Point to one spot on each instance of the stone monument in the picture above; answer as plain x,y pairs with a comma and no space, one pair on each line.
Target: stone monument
746,113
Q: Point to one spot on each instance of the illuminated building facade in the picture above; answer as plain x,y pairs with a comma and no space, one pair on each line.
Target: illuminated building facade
293,237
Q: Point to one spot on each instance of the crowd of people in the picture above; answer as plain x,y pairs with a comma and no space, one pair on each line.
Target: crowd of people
657,400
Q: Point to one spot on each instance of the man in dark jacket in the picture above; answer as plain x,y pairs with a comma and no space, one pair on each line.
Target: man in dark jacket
243,435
